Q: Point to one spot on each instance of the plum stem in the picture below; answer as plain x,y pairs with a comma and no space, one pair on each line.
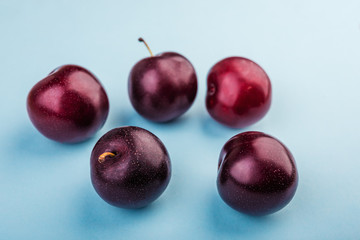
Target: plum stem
102,157
147,46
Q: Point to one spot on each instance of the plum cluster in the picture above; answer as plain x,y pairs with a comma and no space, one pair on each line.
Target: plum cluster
130,166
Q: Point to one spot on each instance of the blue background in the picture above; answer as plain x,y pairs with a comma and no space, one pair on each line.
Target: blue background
310,50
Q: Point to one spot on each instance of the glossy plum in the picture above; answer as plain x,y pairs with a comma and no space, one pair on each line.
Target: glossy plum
69,105
162,87
257,174
238,92
130,167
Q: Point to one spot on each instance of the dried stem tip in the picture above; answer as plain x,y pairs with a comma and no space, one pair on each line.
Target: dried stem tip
147,46
102,157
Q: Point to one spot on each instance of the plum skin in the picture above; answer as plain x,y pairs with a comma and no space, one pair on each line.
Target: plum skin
257,174
138,173
163,87
238,92
69,105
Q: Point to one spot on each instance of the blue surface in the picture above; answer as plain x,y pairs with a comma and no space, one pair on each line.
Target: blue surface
310,50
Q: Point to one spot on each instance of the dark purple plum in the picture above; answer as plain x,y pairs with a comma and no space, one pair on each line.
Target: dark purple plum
69,105
238,92
130,167
163,87
257,174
